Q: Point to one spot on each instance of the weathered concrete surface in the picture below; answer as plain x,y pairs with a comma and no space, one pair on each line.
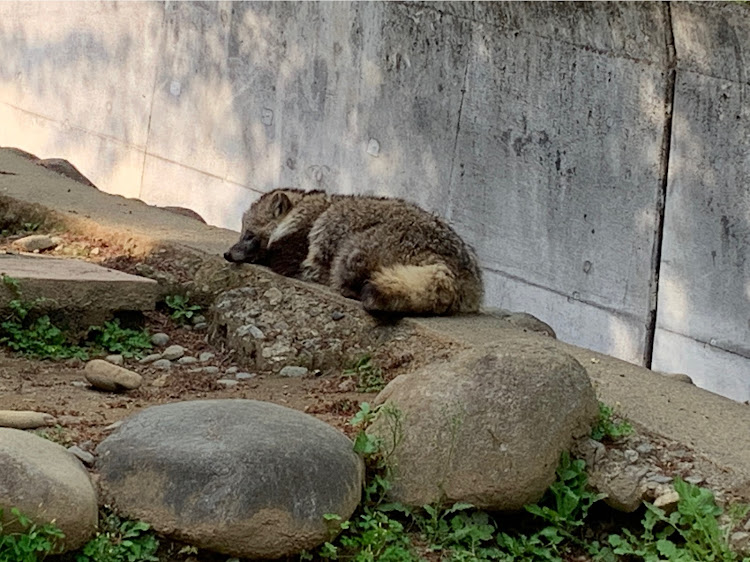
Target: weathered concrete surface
535,127
703,324
715,426
82,293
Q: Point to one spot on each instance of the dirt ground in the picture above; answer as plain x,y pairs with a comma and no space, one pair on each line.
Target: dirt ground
83,413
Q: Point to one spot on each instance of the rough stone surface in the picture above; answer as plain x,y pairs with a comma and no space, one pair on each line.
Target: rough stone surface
35,242
241,477
46,483
106,376
25,419
486,428
150,358
297,328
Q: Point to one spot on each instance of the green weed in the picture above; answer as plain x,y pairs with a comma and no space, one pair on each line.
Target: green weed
37,337
116,339
32,544
180,309
120,540
368,375
691,533
608,429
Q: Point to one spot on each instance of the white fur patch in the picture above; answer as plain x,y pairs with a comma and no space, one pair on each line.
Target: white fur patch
287,225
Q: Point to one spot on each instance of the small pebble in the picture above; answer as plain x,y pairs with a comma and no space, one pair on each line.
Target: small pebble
244,376
200,327
694,479
162,364
198,319
187,360
206,356
150,358
293,371
116,359
229,383
337,315
80,384
173,352
231,370
660,478
210,370
644,448
630,455
161,339
85,457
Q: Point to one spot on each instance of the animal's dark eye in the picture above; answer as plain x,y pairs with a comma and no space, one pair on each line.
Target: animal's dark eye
247,236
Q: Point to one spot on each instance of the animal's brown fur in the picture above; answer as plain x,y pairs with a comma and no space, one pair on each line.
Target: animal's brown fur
390,254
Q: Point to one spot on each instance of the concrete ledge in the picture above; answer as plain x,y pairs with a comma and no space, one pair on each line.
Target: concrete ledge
710,424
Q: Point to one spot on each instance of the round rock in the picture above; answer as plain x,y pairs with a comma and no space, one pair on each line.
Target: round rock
486,428
46,482
173,352
106,376
160,340
241,477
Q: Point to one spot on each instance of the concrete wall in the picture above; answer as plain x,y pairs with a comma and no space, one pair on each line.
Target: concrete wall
703,325
542,131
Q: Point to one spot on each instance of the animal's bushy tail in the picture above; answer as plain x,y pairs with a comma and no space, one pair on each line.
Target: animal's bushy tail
415,289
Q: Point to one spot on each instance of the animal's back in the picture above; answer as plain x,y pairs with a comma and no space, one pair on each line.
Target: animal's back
395,257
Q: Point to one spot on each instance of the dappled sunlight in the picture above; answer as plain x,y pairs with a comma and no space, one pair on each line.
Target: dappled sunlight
625,342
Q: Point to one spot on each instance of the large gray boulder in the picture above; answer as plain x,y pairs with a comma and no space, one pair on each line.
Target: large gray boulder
241,477
47,484
487,427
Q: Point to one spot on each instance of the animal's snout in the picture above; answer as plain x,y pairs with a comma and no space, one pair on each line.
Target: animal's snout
246,250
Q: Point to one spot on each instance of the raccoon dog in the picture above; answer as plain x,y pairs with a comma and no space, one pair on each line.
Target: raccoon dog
391,255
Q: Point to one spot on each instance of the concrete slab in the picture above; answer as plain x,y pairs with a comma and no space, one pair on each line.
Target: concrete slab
67,284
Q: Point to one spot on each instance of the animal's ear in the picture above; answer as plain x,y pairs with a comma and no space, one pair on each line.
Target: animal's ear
280,204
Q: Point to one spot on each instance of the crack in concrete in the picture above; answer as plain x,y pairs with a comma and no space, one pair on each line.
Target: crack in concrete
648,349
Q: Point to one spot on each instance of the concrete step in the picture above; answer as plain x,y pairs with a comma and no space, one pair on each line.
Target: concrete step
77,294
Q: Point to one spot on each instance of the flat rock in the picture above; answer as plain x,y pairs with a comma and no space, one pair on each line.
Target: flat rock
241,477
34,242
106,376
173,352
293,371
486,428
46,483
